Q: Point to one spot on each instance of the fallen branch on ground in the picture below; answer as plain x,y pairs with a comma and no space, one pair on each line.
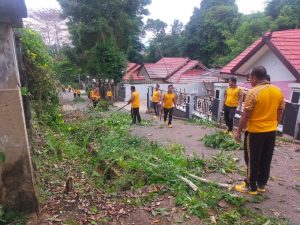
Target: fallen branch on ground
222,185
190,183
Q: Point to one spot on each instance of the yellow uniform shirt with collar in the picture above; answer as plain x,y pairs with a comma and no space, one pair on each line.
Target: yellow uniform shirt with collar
169,99
94,95
135,103
263,101
232,96
156,96
109,94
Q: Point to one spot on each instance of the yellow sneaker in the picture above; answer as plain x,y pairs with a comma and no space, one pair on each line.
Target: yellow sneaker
170,126
261,189
230,133
155,117
244,189
225,131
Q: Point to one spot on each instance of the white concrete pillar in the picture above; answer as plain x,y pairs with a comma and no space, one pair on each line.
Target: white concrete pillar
16,180
219,89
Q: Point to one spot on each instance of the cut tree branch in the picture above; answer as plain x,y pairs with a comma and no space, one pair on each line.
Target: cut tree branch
190,183
221,185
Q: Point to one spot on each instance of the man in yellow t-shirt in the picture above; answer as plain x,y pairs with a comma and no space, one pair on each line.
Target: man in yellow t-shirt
95,96
109,95
135,105
233,99
263,110
156,99
78,92
169,102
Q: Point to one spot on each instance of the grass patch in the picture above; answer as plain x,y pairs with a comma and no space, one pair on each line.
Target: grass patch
222,141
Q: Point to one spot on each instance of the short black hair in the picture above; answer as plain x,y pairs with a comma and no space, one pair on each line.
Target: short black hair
132,88
268,77
233,79
170,85
158,85
259,72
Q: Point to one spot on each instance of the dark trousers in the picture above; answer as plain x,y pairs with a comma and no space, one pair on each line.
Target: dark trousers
155,106
229,113
170,112
74,95
258,153
135,114
95,102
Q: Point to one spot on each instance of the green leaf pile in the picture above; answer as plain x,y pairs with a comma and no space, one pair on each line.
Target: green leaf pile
220,140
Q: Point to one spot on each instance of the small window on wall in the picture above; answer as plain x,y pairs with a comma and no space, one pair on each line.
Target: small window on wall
217,94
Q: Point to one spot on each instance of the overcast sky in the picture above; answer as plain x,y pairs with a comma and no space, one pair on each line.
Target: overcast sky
166,10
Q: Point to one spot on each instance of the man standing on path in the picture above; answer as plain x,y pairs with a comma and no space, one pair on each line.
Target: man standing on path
95,96
233,99
109,96
263,111
156,98
169,102
135,105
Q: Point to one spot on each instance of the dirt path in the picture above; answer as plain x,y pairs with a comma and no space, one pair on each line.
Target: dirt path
66,99
282,198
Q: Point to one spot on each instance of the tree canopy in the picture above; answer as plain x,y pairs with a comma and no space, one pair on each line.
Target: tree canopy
95,24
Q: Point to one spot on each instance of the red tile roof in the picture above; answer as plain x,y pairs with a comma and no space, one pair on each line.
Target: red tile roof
165,67
191,76
286,42
132,72
177,75
229,67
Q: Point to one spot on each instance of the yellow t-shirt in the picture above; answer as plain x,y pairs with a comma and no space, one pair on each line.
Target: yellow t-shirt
263,101
109,94
156,96
135,103
169,99
94,95
78,92
232,96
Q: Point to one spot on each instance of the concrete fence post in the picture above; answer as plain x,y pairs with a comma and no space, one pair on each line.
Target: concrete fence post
190,106
220,89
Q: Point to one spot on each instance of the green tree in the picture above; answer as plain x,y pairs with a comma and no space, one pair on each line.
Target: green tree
286,13
166,45
95,23
273,7
157,27
205,34
252,27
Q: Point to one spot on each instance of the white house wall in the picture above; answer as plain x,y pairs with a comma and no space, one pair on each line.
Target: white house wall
275,68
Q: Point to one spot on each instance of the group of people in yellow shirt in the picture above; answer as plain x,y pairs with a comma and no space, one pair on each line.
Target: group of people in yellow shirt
95,95
167,101
263,110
